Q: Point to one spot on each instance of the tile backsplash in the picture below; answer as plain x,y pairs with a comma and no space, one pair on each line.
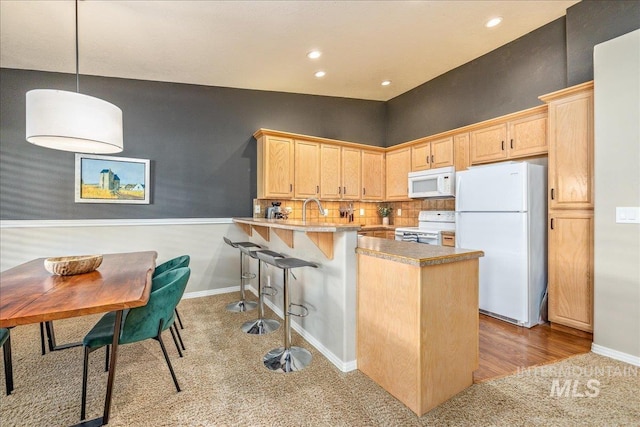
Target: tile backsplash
364,213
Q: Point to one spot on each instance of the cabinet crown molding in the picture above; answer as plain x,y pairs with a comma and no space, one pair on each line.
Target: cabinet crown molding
562,93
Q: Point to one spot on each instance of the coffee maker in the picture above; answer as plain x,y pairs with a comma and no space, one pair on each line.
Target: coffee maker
274,211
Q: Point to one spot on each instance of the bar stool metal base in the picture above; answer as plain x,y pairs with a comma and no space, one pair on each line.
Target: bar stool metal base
241,306
290,360
260,326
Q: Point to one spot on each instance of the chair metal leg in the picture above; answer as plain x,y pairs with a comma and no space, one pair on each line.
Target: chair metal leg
179,337
166,357
179,319
106,360
8,366
175,341
85,371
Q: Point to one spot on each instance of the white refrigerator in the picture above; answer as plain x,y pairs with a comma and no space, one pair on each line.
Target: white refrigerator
501,209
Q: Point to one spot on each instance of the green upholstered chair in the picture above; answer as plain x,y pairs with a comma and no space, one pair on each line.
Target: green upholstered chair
181,261
5,342
140,323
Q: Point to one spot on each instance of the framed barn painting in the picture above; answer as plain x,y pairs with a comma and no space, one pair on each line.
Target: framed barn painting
105,179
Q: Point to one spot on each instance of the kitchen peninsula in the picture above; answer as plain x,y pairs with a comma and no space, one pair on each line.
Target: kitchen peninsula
414,308
329,292
417,322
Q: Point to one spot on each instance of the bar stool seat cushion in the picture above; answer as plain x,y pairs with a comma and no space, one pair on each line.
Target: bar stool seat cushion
294,263
265,252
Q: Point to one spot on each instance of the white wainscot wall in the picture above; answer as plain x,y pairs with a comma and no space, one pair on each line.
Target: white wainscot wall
214,265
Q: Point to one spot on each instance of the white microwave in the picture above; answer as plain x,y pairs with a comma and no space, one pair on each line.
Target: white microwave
439,182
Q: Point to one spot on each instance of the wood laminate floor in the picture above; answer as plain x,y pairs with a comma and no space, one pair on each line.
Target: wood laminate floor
505,348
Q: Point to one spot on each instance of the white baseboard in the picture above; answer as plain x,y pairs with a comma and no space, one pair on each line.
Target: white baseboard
337,362
211,292
615,354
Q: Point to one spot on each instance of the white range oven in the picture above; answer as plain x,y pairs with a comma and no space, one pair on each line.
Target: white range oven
431,224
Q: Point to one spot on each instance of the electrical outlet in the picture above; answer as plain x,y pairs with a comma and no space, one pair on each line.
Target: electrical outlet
256,209
326,212
399,212
361,212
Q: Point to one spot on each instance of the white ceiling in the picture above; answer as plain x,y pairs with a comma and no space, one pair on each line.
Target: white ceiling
263,44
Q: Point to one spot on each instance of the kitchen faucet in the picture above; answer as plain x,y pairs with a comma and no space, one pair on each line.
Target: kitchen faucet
304,207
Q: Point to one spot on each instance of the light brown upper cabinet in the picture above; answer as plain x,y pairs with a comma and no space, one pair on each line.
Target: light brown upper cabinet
307,169
528,136
571,148
432,154
461,151
488,144
339,172
519,135
372,175
398,166
275,168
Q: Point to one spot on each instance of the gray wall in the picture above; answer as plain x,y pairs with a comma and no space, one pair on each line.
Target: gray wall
510,78
505,80
590,23
198,138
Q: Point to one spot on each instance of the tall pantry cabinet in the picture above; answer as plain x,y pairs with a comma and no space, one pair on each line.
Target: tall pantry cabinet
570,202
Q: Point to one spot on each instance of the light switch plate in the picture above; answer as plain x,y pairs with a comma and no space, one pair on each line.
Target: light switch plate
399,212
628,215
361,212
256,209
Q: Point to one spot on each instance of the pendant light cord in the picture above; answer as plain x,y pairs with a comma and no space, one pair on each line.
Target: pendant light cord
77,54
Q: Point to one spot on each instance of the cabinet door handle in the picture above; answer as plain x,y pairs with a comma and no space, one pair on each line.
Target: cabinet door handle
552,194
339,190
290,187
427,159
432,158
552,223
512,143
344,190
502,145
317,189
364,191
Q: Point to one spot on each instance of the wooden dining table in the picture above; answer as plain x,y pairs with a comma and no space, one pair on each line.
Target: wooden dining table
30,294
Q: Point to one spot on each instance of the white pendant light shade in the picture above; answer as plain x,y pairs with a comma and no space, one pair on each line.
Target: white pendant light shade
71,121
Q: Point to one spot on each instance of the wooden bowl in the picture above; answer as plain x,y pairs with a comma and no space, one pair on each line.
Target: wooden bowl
70,265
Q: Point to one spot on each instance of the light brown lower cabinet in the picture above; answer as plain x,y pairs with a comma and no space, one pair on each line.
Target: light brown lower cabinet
418,328
571,269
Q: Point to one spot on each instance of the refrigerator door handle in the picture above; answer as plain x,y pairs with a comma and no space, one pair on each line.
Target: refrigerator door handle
458,189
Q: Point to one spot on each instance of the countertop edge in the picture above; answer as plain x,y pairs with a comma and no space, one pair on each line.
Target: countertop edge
298,225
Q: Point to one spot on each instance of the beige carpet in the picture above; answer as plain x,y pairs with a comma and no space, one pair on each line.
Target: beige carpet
225,384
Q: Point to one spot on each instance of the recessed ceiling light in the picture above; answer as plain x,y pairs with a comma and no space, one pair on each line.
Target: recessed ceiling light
493,22
314,54
320,74
386,82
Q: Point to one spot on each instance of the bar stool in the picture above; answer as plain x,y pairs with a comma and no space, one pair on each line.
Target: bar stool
262,325
288,358
242,305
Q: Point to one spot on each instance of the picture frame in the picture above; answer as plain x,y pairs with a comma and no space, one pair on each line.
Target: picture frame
107,179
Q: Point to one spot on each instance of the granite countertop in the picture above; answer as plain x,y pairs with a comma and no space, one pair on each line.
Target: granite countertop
297,225
378,227
413,253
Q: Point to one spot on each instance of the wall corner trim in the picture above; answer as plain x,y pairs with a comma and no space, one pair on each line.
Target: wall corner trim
615,354
109,222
